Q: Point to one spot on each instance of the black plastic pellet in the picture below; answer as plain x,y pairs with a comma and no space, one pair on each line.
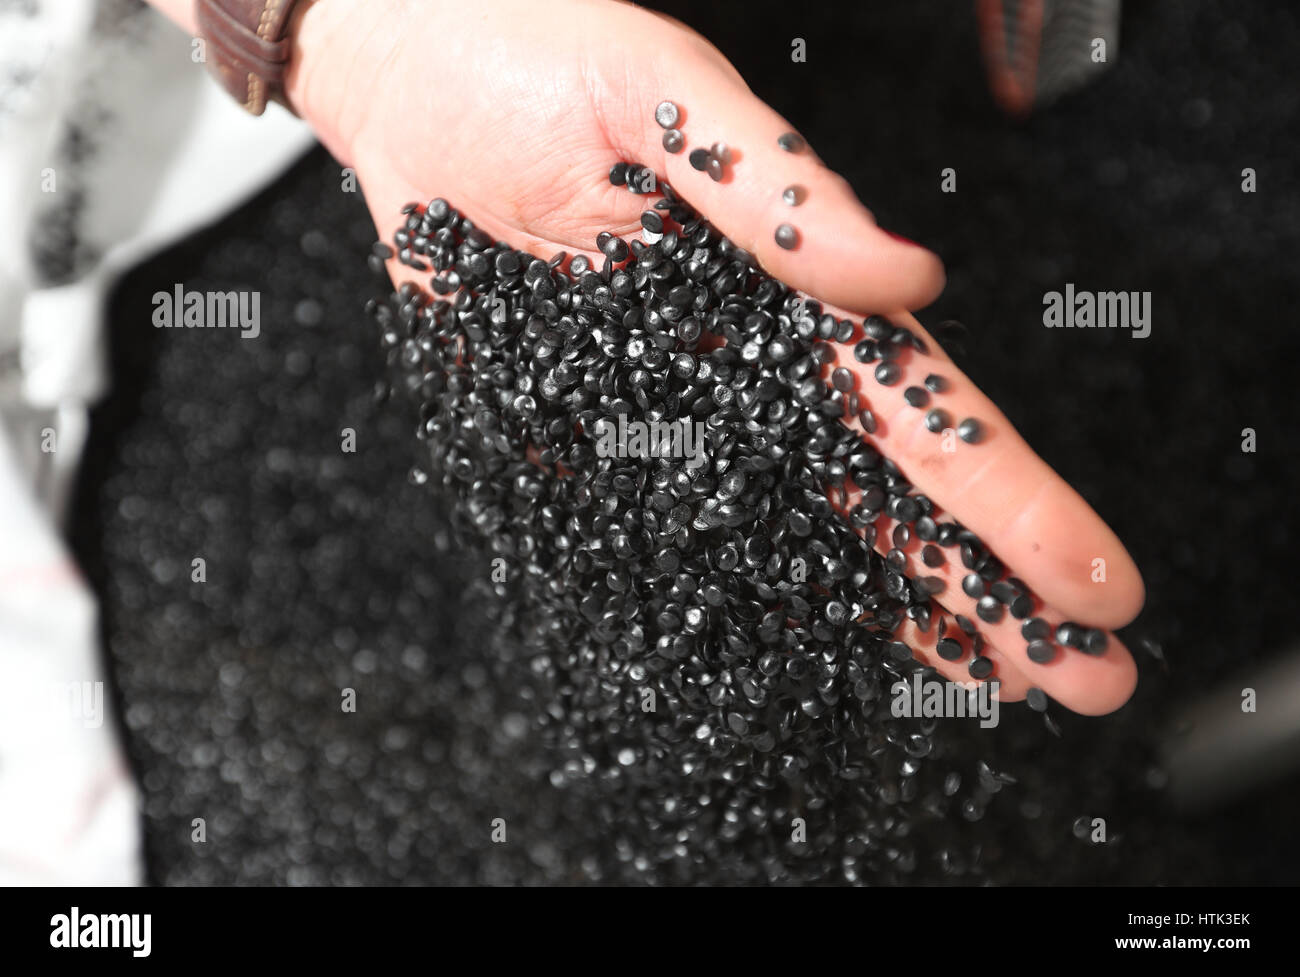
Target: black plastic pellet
888,349
932,585
652,572
937,419
791,142
1070,634
970,430
1036,699
1035,629
721,152
714,168
920,613
989,567
888,374
842,380
877,327
699,158
1003,591
667,115
674,141
904,508
935,383
618,174
793,196
973,585
1021,607
989,609
615,249
916,396
1094,642
1040,652
787,237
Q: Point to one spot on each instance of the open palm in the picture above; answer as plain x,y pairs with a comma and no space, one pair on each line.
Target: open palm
516,111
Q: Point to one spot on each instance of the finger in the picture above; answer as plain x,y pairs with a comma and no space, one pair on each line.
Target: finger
999,488
1012,684
1092,685
942,624
839,252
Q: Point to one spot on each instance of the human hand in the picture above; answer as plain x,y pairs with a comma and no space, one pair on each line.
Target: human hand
516,111
516,115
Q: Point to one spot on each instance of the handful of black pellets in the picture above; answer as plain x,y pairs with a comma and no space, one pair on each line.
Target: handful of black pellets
715,637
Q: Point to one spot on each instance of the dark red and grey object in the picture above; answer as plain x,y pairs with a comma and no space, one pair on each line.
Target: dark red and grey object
1036,51
1242,736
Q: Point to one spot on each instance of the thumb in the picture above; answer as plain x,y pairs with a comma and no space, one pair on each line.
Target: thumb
838,252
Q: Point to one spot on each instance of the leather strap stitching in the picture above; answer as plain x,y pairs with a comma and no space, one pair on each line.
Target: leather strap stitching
254,51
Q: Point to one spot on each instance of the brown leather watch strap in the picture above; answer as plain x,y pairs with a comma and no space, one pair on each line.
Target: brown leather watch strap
248,47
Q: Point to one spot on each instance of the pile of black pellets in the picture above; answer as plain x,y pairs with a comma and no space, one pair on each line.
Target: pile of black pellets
740,708
328,571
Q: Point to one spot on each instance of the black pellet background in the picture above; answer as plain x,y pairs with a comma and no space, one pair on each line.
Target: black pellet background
328,570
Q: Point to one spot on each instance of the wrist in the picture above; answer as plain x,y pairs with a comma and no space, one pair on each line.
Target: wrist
327,53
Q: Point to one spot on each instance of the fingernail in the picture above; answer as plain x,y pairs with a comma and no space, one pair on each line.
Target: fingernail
899,237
